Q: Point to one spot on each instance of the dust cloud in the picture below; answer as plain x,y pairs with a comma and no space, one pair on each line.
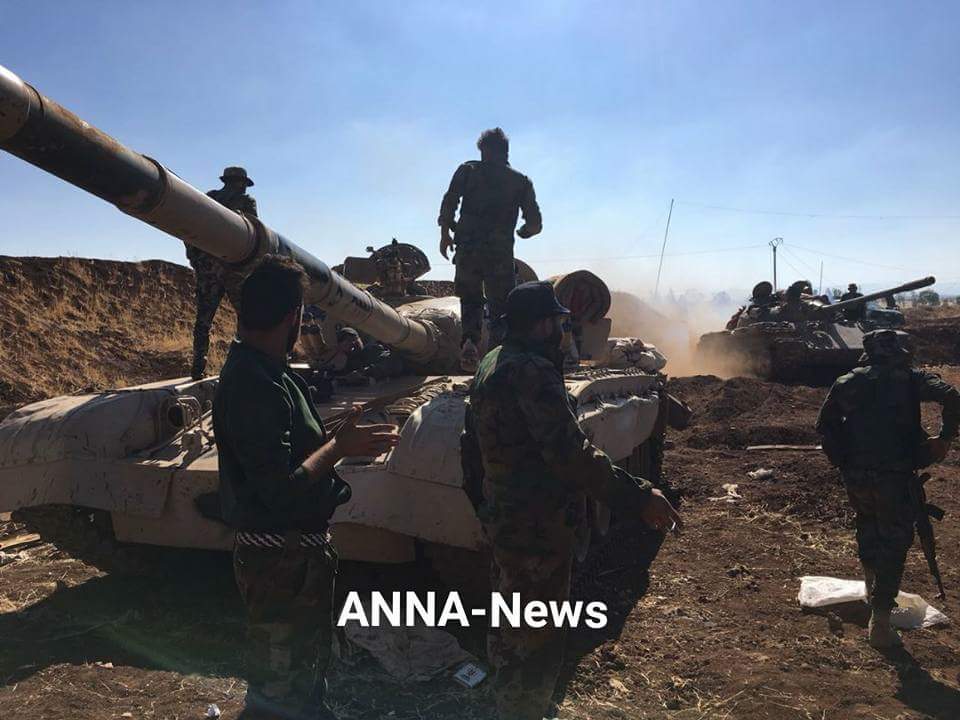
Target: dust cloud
675,326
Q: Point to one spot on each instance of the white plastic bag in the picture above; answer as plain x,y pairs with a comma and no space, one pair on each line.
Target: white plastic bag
912,611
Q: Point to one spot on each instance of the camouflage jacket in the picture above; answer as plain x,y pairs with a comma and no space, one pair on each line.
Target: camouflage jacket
244,203
871,417
239,203
490,196
531,445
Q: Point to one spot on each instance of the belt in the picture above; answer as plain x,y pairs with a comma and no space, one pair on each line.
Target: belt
279,540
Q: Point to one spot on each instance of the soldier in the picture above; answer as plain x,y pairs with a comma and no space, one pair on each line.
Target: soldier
278,489
490,194
213,277
852,293
355,362
537,464
870,423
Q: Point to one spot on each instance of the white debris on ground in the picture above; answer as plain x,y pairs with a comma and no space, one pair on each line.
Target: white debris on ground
760,474
912,611
732,495
409,653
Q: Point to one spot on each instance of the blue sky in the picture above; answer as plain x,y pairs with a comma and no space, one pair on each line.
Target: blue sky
351,117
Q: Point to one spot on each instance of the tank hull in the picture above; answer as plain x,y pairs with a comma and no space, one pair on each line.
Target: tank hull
124,454
784,351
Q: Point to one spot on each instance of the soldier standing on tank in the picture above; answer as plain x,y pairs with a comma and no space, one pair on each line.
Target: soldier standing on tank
852,293
537,467
490,194
213,276
870,423
278,489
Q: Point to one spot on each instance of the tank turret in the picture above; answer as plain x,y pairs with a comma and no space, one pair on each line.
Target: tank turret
38,130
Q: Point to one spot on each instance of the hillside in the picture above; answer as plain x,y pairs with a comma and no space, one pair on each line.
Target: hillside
72,324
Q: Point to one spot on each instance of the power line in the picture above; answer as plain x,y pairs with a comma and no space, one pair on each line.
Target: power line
798,258
786,213
858,261
800,273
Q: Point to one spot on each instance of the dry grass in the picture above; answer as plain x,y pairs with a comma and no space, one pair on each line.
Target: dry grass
69,325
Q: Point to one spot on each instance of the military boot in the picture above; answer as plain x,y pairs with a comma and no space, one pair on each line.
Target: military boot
469,357
881,635
199,365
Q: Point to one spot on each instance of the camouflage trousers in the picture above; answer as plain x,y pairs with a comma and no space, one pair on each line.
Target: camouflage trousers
484,271
213,280
288,594
885,522
532,556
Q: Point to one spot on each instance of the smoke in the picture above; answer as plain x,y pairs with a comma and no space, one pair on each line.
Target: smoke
675,325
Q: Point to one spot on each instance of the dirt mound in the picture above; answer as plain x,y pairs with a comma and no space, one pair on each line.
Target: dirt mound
632,317
936,332
437,288
71,325
746,411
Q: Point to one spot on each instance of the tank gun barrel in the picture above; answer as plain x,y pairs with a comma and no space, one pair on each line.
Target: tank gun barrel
856,302
41,132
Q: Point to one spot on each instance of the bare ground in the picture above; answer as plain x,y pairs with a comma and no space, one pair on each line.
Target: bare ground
715,632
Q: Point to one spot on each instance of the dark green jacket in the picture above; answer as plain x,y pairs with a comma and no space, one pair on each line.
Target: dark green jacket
266,426
530,442
871,417
490,195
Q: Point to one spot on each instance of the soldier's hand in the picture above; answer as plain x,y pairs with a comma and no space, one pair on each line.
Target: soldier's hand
524,232
446,242
938,448
659,514
354,440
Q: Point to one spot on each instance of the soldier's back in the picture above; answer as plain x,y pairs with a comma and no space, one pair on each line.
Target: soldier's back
508,384
492,196
881,416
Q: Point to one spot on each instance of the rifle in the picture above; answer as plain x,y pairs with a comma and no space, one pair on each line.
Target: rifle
925,511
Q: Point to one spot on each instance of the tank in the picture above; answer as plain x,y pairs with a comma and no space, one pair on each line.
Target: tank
134,465
809,341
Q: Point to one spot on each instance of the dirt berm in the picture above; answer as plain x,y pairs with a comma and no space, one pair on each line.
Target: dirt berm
77,325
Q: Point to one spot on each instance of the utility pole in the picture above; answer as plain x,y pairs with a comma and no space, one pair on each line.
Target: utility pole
820,284
656,288
775,243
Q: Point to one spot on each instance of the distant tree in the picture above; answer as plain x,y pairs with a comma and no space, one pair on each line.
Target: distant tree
721,299
928,297
834,293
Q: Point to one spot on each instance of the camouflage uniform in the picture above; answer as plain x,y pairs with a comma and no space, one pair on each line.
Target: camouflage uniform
214,278
266,426
537,466
870,423
490,194
288,595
